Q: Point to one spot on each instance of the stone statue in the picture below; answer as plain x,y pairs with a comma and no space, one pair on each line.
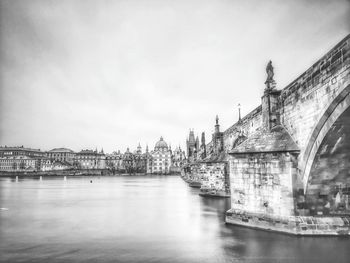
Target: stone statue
269,71
270,82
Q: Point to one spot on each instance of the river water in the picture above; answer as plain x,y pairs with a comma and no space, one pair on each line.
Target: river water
137,219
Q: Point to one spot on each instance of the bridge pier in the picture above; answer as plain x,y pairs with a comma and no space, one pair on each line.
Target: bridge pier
266,193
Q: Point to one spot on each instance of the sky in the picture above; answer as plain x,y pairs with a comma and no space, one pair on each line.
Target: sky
111,74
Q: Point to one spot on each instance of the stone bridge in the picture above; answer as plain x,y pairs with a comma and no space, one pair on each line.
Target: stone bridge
289,159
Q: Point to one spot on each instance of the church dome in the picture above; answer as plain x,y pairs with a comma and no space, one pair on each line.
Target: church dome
161,144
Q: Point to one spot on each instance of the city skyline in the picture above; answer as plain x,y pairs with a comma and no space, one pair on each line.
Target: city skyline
134,79
131,149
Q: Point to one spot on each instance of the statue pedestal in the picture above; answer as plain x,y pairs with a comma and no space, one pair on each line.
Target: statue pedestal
270,86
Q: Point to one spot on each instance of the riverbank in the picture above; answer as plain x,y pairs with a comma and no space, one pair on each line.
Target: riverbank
95,172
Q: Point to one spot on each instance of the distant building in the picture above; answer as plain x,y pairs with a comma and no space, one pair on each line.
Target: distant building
161,158
128,162
140,161
178,159
17,151
114,161
19,163
20,159
89,159
192,145
61,154
53,165
203,146
148,160
46,164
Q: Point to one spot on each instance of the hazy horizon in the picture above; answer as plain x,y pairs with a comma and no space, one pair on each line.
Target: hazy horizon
113,74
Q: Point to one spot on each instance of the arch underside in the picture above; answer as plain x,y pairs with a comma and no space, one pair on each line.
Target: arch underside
334,110
328,187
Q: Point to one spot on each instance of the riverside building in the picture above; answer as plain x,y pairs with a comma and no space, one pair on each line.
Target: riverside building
20,159
89,159
63,155
161,158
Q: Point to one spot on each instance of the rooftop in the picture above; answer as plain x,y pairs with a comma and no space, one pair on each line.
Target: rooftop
215,158
276,140
161,144
61,150
16,148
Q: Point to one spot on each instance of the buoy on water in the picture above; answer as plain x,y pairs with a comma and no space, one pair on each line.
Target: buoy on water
41,178
65,178
91,181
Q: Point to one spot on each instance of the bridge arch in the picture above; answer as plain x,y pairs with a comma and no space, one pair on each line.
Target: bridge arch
335,109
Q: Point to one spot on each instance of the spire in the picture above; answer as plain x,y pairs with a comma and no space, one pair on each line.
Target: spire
217,126
191,138
203,146
139,150
203,139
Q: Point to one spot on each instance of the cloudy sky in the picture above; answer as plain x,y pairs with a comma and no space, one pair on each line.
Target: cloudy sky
111,74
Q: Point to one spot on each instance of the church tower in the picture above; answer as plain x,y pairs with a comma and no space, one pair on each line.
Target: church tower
191,144
218,138
139,149
203,146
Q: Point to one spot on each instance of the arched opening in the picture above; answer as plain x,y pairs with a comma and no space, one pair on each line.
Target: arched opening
335,109
328,188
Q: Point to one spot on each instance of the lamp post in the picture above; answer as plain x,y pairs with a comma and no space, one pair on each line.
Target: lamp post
239,112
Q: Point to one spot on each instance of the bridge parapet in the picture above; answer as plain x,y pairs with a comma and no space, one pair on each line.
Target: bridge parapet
244,127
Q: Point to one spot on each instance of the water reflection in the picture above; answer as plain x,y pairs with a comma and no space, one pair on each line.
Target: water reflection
137,219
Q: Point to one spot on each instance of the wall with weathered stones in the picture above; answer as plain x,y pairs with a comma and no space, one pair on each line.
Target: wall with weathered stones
248,124
263,183
194,172
215,178
303,102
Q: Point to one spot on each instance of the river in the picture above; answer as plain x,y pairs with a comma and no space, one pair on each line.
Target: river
137,219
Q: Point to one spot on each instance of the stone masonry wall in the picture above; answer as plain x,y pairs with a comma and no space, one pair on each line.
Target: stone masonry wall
263,183
304,101
215,177
249,124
